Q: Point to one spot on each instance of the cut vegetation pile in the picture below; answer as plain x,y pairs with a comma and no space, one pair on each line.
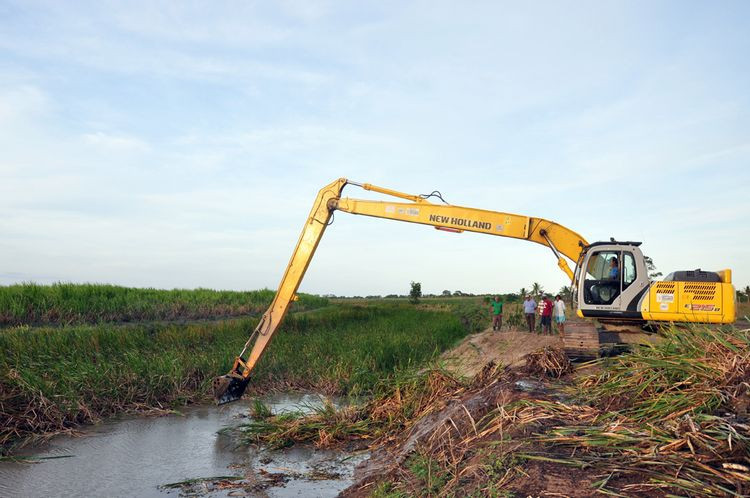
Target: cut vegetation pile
56,378
552,362
663,420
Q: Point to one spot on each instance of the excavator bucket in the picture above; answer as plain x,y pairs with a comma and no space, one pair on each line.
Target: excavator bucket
228,388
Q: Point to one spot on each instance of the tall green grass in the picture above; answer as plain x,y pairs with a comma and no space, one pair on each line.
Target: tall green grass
69,304
356,347
52,378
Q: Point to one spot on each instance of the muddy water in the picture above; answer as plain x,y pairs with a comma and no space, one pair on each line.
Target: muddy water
139,456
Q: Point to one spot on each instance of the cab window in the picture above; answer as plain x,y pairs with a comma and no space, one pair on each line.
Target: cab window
604,272
628,270
600,265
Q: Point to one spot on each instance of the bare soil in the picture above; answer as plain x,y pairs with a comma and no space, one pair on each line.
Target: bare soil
507,348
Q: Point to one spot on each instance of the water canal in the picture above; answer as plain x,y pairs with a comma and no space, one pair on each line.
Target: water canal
142,456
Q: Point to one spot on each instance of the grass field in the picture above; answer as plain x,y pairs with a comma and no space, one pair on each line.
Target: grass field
743,311
57,377
74,304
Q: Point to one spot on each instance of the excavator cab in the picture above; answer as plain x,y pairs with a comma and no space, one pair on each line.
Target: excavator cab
610,279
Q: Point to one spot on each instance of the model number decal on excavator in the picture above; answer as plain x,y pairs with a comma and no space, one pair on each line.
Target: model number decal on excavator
407,211
701,307
460,222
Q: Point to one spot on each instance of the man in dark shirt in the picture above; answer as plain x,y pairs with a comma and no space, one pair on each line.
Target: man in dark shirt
546,305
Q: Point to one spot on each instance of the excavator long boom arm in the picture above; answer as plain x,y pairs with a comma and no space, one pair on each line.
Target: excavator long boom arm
563,242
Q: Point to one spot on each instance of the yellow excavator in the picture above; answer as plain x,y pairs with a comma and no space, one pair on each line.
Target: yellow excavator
610,280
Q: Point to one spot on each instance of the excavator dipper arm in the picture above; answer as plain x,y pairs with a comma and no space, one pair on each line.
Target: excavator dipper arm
562,241
230,387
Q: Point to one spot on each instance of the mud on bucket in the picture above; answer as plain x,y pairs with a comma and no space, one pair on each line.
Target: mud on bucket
228,388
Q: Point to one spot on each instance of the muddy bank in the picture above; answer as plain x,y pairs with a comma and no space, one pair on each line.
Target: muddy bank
178,454
664,420
668,419
451,427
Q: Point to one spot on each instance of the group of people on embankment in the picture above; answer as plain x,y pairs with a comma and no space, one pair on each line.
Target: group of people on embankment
547,309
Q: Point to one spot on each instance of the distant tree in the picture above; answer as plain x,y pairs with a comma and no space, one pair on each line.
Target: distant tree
537,289
415,293
391,296
446,293
651,268
458,293
566,292
747,293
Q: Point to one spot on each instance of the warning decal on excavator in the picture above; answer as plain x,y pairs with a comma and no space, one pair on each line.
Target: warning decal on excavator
664,298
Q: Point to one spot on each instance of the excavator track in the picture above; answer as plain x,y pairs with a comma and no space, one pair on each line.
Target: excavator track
581,341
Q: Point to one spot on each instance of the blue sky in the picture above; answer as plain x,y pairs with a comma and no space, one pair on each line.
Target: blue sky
181,144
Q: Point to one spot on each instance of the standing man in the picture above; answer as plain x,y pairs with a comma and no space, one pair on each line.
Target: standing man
546,306
496,310
529,305
559,314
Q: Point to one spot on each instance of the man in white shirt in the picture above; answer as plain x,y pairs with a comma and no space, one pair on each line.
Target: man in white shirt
558,312
529,305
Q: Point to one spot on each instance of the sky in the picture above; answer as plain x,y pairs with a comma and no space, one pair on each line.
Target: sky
181,144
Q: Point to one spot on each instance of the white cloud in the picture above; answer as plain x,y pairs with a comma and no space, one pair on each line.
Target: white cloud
115,143
20,104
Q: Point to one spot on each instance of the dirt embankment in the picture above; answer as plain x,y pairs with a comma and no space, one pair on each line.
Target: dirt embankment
507,348
519,429
449,433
